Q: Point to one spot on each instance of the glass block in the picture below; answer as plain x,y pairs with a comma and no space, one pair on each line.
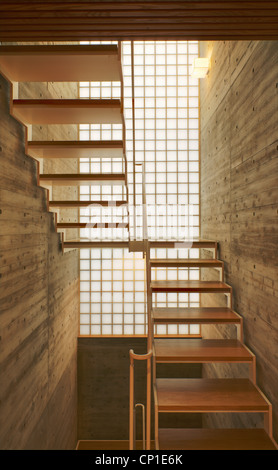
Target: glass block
84,319
106,318
183,329
139,329
161,329
85,297
96,318
84,286
84,264
172,329
128,330
117,307
85,330
84,135
84,92
181,151
194,329
106,329
95,305
117,330
117,286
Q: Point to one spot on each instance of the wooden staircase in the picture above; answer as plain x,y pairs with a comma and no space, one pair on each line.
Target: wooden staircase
71,63
171,395
204,395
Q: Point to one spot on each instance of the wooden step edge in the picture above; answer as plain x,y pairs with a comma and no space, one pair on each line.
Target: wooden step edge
190,286
76,143
70,102
67,111
191,243
228,316
156,263
82,176
71,204
83,179
92,225
215,439
211,396
112,150
95,244
230,351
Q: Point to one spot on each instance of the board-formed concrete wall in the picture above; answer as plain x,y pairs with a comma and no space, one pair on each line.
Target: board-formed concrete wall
38,297
239,196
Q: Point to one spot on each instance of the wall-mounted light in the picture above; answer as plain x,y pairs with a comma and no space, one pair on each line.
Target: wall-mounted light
200,67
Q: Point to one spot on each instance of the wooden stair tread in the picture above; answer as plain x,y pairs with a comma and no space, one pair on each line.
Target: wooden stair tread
92,225
68,111
209,395
186,263
195,315
83,178
214,439
76,149
200,350
96,244
190,286
71,204
190,243
60,63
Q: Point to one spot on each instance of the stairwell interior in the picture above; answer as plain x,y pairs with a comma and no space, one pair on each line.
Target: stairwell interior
55,156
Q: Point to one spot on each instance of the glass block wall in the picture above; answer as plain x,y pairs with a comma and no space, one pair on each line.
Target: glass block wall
112,286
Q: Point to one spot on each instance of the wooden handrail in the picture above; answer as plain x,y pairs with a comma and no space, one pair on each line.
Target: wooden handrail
143,424
133,140
146,247
140,357
123,128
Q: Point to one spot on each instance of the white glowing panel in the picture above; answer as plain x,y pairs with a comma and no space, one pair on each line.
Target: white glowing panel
112,286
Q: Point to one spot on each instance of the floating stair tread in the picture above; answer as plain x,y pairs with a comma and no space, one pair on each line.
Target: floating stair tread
71,204
209,395
200,350
83,178
92,225
190,243
68,111
60,63
190,286
214,439
96,244
198,263
195,315
76,149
